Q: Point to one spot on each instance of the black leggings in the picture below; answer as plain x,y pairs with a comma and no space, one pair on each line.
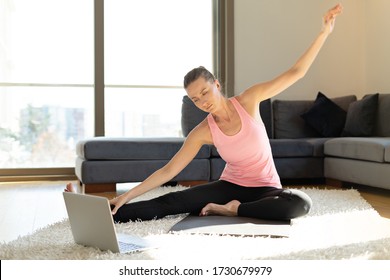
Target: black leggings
256,202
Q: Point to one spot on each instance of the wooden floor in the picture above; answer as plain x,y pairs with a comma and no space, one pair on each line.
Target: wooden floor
28,206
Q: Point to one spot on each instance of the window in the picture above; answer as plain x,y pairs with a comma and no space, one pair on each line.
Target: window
149,46
46,81
47,97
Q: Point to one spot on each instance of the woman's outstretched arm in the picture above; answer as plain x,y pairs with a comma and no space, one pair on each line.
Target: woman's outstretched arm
194,141
262,91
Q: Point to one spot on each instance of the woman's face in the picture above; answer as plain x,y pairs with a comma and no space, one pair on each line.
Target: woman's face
206,95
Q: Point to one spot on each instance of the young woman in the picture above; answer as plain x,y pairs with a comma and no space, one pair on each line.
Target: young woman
249,185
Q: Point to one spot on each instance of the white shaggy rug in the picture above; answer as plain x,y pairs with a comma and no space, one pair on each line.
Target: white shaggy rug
341,225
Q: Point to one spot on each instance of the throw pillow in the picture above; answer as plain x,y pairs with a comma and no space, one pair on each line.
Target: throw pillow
361,117
325,116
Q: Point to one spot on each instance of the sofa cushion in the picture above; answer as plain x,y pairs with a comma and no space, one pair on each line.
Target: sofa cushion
369,149
288,123
296,168
361,172
217,165
361,117
305,147
121,171
387,154
105,148
383,116
325,116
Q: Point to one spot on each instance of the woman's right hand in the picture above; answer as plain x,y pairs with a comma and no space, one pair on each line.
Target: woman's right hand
330,18
118,202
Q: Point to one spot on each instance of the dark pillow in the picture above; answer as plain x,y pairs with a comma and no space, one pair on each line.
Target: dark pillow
288,123
325,116
361,117
287,120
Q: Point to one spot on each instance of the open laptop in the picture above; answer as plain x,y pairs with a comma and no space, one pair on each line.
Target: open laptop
92,225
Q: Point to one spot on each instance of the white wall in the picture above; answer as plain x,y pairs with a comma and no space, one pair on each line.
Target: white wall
378,46
271,35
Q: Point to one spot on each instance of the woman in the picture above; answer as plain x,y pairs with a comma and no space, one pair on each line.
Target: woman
249,185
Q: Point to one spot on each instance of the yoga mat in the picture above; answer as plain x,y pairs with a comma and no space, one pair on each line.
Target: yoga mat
222,225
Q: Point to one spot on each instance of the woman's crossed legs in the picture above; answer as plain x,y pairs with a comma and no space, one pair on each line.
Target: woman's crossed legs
221,198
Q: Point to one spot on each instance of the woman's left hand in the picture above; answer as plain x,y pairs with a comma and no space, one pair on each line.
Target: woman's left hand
330,18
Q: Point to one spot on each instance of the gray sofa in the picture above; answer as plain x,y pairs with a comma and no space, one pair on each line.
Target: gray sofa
302,149
362,160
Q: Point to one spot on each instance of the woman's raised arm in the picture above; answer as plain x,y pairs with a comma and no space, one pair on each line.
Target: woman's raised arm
262,91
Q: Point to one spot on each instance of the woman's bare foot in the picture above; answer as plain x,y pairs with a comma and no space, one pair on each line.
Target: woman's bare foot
228,209
70,188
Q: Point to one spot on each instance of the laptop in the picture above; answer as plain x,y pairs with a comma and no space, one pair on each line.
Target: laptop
92,225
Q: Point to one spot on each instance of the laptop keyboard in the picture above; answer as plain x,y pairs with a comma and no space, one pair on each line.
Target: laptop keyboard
128,247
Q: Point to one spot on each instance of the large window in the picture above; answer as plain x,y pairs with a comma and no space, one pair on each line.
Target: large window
47,65
46,81
149,46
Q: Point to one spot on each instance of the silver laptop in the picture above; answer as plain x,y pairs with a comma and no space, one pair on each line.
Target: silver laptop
92,225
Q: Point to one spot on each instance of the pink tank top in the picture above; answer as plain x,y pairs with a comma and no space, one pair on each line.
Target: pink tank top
247,154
